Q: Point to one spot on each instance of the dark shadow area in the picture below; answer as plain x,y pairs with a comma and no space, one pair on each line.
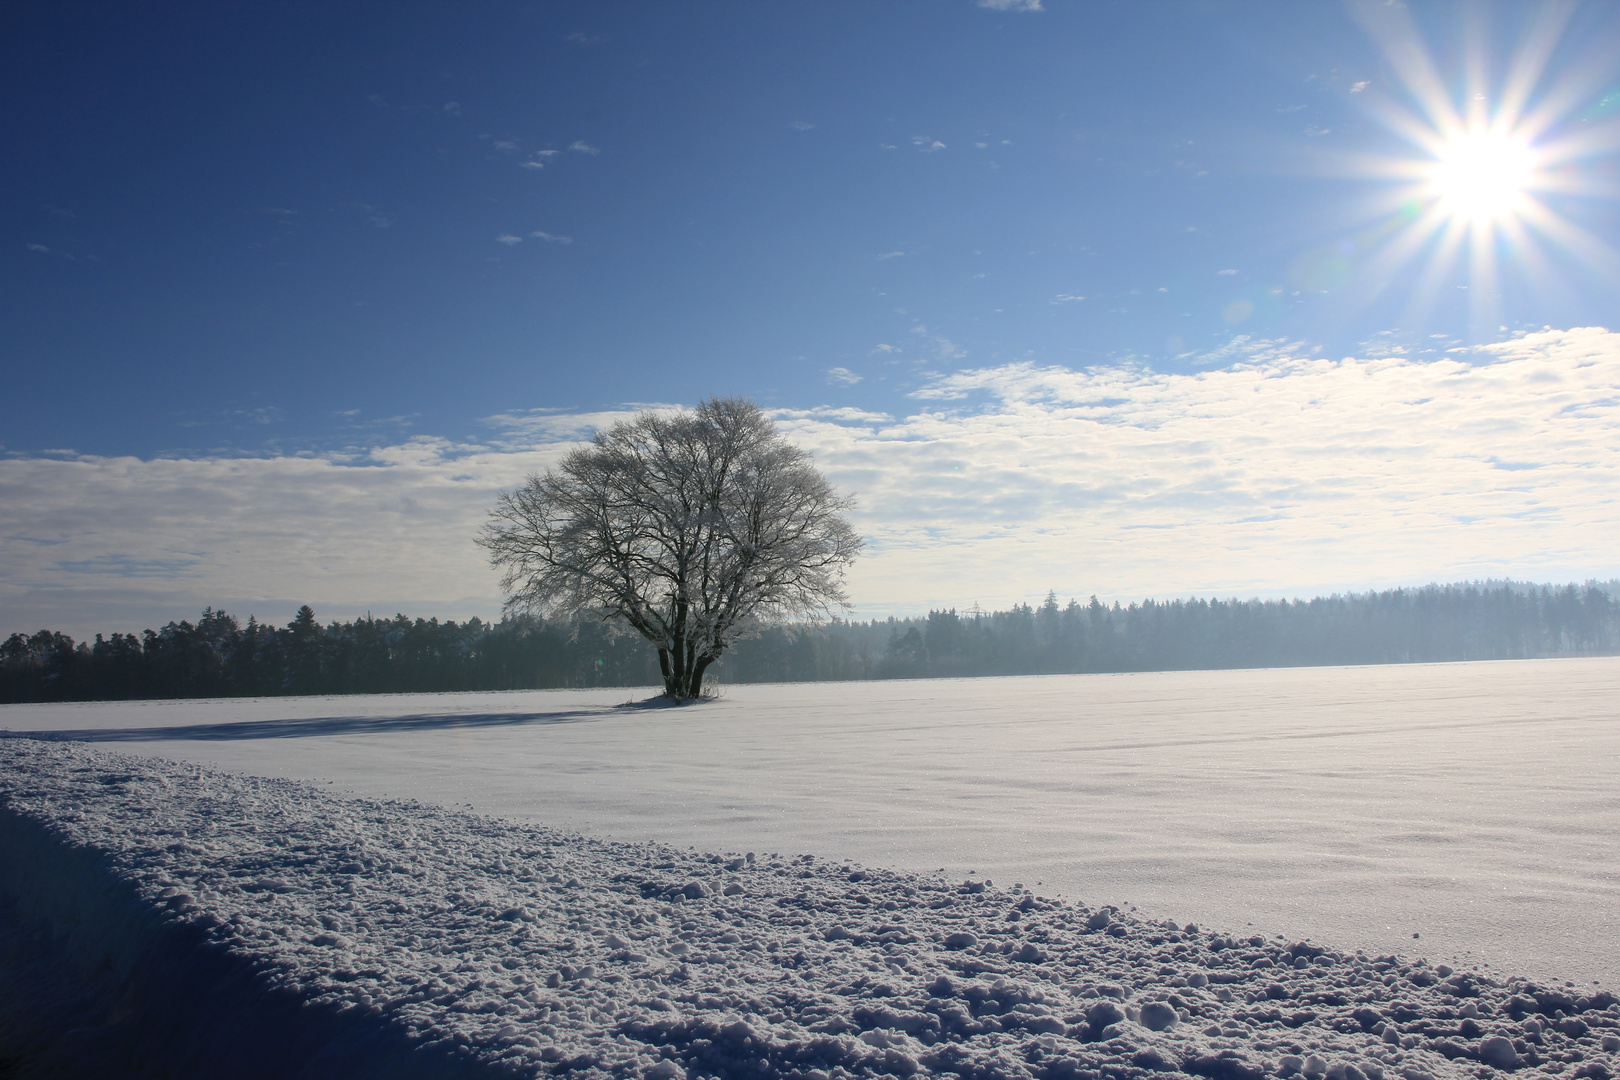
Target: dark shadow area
318,726
660,701
312,727
96,982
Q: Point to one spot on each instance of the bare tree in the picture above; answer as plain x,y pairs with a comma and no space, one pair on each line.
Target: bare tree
695,529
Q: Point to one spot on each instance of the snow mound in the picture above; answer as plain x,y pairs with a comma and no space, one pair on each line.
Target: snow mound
179,920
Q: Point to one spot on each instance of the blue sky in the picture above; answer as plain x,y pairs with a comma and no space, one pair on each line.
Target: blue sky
259,239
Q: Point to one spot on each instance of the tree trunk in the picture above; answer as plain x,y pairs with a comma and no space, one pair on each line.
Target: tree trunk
668,672
698,669
680,652
683,672
675,681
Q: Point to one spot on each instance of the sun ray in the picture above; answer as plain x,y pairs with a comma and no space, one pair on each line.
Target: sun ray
1436,273
1491,143
1542,273
1530,61
1591,251
1484,298
1398,35
1476,80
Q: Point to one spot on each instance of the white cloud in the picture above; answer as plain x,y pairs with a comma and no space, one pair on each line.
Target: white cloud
1356,88
890,255
1067,298
39,248
551,238
1012,5
926,144
837,414
1288,474
508,239
800,125
1246,348
1274,474
1225,273
155,540
882,350
585,148
842,376
527,427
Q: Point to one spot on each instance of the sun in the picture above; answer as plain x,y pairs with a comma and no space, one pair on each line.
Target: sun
1501,146
1482,176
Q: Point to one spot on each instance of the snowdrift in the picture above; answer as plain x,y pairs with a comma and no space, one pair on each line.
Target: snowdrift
169,919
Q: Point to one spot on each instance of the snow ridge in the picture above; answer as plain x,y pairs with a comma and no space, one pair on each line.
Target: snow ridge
267,927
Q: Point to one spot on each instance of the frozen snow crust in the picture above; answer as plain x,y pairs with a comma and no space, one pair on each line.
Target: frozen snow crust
182,921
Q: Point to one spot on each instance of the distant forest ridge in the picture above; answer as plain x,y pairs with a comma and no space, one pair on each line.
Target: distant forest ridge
218,656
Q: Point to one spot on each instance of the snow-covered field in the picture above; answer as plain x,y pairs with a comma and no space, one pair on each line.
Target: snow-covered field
1475,805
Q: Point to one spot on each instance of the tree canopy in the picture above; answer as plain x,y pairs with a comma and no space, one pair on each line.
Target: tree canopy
694,529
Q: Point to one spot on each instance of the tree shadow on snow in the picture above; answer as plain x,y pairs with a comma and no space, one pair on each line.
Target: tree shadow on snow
660,701
312,727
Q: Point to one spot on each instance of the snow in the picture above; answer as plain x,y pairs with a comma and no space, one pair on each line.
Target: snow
418,940
1354,807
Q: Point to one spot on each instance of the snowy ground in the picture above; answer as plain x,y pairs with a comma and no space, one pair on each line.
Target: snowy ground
1474,804
188,921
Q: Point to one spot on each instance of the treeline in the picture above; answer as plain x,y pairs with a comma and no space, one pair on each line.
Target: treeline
1494,621
218,656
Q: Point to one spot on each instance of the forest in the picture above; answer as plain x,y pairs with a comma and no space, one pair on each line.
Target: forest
219,656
